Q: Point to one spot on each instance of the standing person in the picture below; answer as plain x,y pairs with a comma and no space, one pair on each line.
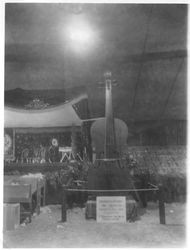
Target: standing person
54,151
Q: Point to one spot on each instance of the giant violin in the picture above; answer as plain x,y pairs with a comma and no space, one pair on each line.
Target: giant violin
109,137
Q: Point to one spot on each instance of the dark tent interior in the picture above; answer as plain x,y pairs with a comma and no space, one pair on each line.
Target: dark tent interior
56,56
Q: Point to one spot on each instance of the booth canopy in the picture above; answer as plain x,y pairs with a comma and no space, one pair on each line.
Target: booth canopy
63,115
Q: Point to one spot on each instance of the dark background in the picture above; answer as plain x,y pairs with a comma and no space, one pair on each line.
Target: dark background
144,45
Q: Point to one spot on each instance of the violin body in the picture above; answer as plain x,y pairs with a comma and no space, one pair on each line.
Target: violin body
98,134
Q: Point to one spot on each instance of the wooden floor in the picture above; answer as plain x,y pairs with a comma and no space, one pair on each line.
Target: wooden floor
46,231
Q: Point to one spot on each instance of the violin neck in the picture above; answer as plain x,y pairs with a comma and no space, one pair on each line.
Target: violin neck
110,141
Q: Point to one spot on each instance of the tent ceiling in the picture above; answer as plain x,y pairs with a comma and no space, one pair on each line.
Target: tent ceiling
144,45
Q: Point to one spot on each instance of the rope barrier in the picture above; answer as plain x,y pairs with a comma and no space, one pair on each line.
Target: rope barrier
118,190
110,159
159,189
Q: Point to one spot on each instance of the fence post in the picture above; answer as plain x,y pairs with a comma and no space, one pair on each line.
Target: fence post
161,204
38,197
64,204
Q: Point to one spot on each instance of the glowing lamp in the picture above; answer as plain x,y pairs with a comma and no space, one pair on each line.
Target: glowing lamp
80,36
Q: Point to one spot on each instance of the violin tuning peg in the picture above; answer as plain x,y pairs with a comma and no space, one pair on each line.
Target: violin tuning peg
115,83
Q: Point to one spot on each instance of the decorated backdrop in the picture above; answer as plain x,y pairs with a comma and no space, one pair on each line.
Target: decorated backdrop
29,146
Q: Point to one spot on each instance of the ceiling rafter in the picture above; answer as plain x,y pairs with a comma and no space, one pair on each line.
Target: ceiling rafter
141,61
171,89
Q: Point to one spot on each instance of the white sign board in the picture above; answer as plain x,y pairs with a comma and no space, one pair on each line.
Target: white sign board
111,209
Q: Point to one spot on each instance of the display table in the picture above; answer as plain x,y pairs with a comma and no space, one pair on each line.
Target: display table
21,189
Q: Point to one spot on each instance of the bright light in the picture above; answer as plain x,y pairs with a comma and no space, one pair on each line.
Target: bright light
80,36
